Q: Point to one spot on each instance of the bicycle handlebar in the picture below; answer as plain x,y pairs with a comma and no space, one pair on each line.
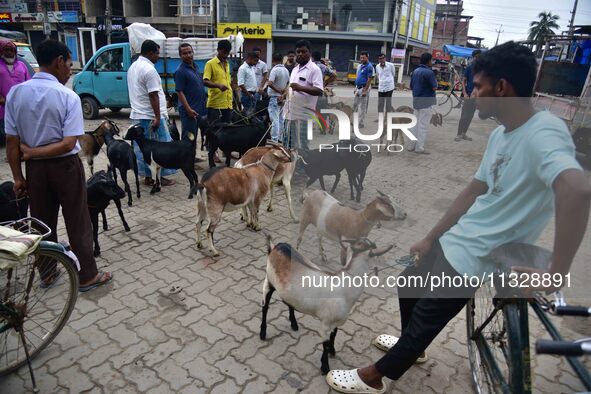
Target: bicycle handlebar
563,348
572,310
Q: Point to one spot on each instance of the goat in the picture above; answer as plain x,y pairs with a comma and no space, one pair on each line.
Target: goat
356,164
336,221
234,138
283,173
317,164
122,157
101,189
287,271
173,154
398,132
92,142
226,189
12,208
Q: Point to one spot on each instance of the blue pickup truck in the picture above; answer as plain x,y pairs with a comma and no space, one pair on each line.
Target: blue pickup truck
102,83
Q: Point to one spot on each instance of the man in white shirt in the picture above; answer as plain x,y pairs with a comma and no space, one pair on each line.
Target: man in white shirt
247,83
386,79
278,82
148,106
260,70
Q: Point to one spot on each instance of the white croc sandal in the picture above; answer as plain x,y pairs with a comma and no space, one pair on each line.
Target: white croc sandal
385,342
348,381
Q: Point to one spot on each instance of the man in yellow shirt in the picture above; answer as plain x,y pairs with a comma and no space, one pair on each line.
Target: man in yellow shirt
217,78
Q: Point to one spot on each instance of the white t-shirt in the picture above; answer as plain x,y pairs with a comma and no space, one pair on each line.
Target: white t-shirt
280,78
259,69
142,79
386,77
246,77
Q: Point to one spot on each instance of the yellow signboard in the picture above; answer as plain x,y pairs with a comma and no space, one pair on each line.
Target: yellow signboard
248,30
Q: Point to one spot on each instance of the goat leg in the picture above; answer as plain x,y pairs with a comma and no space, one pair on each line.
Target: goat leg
352,181
94,221
324,368
321,249
321,180
292,318
135,172
118,204
268,290
270,206
336,182
127,188
104,216
287,190
331,349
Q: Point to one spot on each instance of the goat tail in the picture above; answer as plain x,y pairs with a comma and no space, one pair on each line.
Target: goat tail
269,239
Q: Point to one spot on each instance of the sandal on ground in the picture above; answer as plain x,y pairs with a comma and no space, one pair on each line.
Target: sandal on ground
348,381
166,182
149,181
385,342
51,281
101,279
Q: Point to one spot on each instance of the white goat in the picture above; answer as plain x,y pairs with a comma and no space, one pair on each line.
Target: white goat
226,189
283,173
305,287
336,221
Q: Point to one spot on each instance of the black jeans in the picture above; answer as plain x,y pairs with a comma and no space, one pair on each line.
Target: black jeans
423,313
221,115
385,99
468,110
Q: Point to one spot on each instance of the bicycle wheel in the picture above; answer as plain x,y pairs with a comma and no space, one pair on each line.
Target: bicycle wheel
42,311
498,353
444,103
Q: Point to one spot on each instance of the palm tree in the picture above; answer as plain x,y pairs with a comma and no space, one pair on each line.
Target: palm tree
539,29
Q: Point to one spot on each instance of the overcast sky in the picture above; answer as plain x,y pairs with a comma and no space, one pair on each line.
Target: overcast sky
515,15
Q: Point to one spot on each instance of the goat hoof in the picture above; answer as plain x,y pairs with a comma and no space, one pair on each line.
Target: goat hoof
215,253
269,209
127,229
295,327
191,196
97,253
332,351
105,228
325,370
263,335
199,245
129,204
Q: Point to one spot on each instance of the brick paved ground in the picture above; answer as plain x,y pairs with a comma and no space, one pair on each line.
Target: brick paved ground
139,335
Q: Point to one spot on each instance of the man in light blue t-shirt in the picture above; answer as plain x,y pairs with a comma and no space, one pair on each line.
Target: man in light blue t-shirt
528,172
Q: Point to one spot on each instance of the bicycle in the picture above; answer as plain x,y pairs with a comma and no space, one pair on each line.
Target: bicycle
38,293
498,326
445,102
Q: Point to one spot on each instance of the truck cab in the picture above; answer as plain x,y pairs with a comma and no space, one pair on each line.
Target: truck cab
102,83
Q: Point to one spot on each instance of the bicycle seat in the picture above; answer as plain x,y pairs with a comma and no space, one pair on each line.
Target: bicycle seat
521,254
15,246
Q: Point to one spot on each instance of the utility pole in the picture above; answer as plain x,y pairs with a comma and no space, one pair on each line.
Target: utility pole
459,5
46,26
108,20
499,31
397,15
571,26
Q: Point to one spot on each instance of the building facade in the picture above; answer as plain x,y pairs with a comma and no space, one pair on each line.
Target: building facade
338,29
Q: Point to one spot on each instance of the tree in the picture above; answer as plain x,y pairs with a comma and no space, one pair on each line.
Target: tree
543,27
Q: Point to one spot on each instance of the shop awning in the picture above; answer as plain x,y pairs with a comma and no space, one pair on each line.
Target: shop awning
456,50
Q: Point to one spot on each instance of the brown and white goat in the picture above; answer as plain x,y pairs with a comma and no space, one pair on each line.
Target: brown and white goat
309,289
336,221
92,142
227,189
283,173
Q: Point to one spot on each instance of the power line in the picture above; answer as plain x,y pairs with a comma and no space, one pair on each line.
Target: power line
499,31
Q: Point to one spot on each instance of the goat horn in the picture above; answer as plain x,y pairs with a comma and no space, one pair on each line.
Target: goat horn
380,251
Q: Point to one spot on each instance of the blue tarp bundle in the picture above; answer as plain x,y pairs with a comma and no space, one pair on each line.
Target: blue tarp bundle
456,50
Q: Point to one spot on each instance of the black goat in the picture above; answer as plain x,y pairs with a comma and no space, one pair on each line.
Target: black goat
173,154
234,138
11,208
332,162
101,189
122,157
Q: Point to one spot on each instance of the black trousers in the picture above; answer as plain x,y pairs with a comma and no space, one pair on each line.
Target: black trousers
423,313
468,110
222,115
385,100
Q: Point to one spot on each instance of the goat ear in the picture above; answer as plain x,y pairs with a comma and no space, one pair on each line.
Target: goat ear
380,251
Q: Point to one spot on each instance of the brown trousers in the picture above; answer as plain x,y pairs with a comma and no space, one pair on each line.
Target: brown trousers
52,183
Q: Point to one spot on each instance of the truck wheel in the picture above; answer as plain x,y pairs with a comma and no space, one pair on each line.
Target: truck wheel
115,109
90,108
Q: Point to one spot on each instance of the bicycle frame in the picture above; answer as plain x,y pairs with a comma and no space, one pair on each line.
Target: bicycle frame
575,364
